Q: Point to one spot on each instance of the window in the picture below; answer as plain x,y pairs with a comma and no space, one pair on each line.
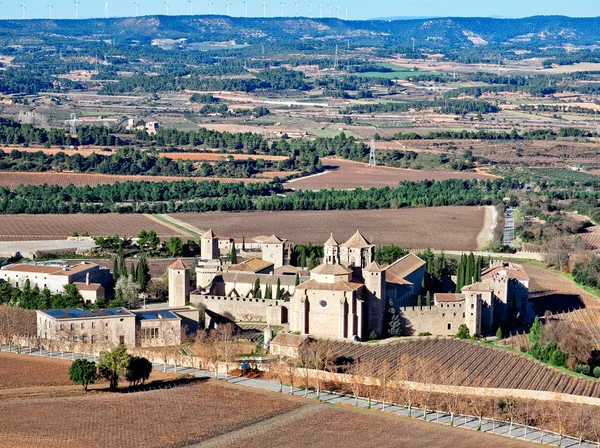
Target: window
122,340
82,324
93,339
150,333
75,339
449,326
443,314
93,324
472,305
62,327
83,338
323,303
72,327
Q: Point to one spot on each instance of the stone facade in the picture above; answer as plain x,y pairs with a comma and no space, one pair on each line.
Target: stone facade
179,284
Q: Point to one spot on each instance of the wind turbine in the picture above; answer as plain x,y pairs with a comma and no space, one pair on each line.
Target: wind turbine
228,8
264,9
282,5
209,6
24,6
137,7
246,3
76,8
310,9
329,8
346,13
321,8
106,10
50,8
297,8
166,2
191,7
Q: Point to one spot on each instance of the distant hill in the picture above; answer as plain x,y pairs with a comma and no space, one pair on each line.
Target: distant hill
450,32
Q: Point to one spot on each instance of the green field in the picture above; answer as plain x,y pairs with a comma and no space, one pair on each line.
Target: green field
329,133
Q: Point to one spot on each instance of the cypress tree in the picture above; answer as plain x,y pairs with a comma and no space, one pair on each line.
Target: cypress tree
233,254
419,300
278,290
297,278
142,273
244,243
268,292
116,270
460,277
428,299
303,260
470,271
122,265
311,264
132,272
256,291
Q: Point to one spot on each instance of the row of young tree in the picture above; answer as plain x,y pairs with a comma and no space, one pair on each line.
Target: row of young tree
537,134
469,271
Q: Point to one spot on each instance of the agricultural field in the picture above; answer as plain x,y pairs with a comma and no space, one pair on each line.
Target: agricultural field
459,363
365,429
450,228
14,179
345,175
57,227
19,371
592,237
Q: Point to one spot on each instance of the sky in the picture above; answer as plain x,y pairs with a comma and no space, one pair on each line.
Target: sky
357,9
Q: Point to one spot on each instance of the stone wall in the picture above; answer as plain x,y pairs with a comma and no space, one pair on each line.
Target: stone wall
437,320
240,308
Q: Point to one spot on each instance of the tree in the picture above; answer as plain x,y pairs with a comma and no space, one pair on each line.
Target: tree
268,292
460,276
463,332
395,328
233,254
499,333
175,246
419,300
83,372
278,290
470,270
127,290
113,365
116,270
138,370
428,299
133,272
143,273
297,282
244,243
535,333
122,265
256,292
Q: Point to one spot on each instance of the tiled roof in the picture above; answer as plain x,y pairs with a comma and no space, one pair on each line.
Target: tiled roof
251,265
179,266
331,241
399,270
449,297
357,240
265,279
340,285
289,339
287,269
273,239
50,270
331,269
374,267
82,286
481,286
208,235
78,313
512,270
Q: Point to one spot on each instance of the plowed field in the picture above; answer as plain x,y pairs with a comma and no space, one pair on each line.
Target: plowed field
56,227
345,175
450,228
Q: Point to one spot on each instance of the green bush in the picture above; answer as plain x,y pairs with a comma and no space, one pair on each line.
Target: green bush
425,333
83,372
583,369
558,358
463,332
597,372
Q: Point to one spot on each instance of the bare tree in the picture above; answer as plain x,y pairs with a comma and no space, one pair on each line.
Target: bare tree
290,367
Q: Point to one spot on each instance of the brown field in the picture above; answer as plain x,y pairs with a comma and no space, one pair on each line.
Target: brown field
592,237
18,371
208,156
12,180
344,175
459,363
51,227
363,428
450,228
208,412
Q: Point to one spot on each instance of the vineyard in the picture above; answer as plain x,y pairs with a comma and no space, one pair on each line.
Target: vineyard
50,227
592,237
14,179
460,363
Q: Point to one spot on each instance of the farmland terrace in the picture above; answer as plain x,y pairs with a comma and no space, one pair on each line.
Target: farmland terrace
459,363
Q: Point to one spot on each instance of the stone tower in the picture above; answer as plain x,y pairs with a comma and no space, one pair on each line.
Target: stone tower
179,284
331,251
357,251
376,298
209,246
473,308
273,251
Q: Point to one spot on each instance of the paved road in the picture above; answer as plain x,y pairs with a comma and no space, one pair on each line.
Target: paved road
509,227
501,428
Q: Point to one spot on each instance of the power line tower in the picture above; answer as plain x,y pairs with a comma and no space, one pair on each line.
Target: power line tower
73,124
372,158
